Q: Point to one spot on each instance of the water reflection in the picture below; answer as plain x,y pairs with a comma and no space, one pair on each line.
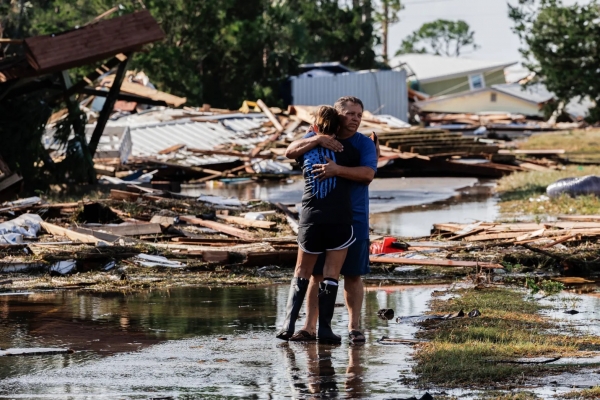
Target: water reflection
198,343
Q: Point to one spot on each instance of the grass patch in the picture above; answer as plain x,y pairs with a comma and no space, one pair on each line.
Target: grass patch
520,192
464,352
577,141
593,393
495,395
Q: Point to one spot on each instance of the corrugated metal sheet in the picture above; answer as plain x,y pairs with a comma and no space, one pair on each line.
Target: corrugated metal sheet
382,92
150,139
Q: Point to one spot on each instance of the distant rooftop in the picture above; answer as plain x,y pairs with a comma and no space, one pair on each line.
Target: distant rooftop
432,68
334,67
536,93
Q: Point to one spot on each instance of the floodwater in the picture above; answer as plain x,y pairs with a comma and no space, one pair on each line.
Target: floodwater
405,207
193,343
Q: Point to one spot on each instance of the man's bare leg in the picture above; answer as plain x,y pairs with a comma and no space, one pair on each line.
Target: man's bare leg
353,294
312,305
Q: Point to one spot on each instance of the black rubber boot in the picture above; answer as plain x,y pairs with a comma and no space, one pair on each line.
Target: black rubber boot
298,289
327,295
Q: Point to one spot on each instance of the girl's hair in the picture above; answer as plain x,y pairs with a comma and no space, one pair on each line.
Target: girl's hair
327,120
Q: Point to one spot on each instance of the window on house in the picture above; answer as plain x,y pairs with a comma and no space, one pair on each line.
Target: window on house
476,81
493,97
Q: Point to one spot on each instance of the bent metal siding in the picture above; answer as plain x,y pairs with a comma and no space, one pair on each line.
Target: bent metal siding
382,92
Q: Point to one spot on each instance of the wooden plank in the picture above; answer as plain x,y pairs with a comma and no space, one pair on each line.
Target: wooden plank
10,181
270,115
164,222
427,150
228,153
172,149
579,217
123,195
432,262
108,107
537,152
531,235
558,241
211,256
247,222
128,230
148,92
217,226
219,175
75,236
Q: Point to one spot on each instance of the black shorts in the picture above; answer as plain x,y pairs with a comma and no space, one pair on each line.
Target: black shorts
316,239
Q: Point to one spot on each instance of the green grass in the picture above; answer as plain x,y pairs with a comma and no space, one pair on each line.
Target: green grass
584,141
520,191
463,351
593,393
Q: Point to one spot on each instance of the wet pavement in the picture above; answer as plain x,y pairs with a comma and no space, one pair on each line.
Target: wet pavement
199,343
405,207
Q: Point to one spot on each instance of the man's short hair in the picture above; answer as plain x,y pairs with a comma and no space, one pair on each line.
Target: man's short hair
341,102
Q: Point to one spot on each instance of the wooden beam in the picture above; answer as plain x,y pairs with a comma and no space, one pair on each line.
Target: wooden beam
123,96
217,226
172,149
108,107
75,236
123,195
247,222
432,262
128,230
270,115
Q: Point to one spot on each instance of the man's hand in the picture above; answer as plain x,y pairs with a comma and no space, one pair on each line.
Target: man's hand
375,140
324,171
329,142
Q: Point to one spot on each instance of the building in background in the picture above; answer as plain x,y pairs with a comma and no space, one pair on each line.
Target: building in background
438,76
383,92
510,98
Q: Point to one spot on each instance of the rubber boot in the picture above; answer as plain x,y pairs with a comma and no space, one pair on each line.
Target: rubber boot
327,295
298,289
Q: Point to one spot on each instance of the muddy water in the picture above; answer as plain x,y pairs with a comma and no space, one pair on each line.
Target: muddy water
198,343
399,206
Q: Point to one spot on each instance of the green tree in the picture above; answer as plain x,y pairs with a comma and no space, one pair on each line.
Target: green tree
224,51
387,15
440,37
562,47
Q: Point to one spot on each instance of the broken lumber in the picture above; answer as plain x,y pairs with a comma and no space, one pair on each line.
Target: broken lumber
433,262
75,236
217,226
270,115
128,230
123,195
247,222
172,149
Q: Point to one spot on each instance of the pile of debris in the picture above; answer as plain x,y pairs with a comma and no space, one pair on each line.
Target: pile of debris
495,125
572,228
138,223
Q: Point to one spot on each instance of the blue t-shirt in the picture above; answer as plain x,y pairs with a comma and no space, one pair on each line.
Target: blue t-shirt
359,193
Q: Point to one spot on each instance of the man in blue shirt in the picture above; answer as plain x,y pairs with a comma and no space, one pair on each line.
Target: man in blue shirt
350,110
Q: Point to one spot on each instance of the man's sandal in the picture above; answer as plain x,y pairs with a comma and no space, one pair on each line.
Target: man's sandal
302,336
356,337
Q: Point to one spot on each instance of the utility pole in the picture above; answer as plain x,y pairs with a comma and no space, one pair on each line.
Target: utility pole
385,23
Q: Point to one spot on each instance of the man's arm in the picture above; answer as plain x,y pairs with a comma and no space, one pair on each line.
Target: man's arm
362,174
298,147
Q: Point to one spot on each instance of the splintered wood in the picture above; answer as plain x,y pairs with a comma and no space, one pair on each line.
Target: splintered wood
523,232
